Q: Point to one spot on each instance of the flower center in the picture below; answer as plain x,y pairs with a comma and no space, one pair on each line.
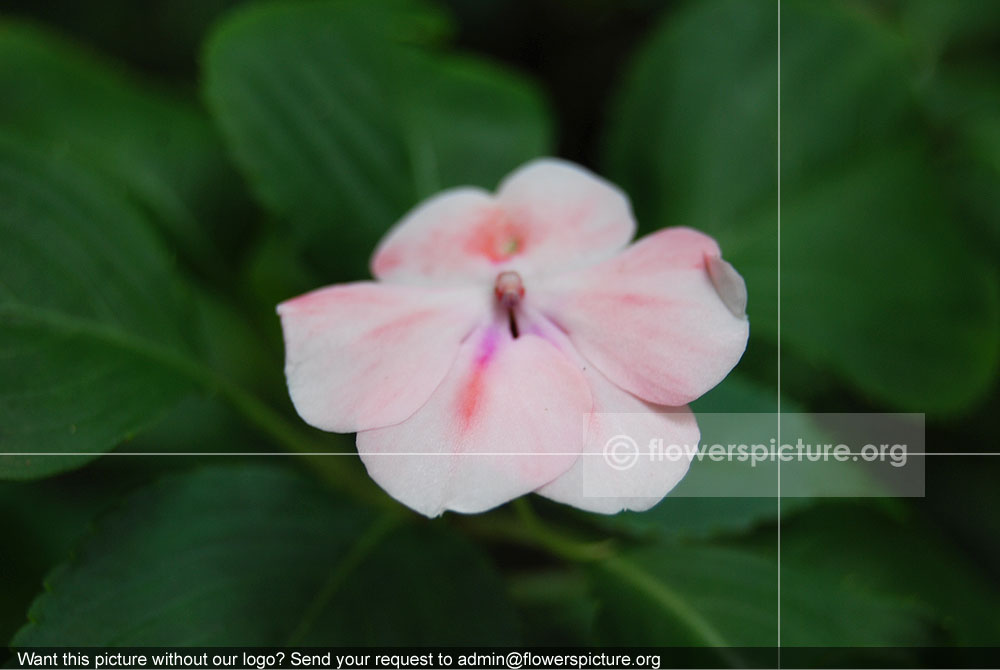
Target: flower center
510,246
509,289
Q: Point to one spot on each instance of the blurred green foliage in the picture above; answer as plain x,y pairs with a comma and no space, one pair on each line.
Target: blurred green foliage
260,539
866,233
341,123
147,230
91,313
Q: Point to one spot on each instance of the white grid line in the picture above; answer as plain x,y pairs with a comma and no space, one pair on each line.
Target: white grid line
102,454
779,330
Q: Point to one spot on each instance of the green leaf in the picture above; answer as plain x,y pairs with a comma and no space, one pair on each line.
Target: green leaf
91,317
696,595
869,246
856,546
936,27
340,128
890,291
962,102
162,149
474,123
259,555
686,129
40,522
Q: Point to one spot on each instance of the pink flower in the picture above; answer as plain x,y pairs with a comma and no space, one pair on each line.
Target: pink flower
509,338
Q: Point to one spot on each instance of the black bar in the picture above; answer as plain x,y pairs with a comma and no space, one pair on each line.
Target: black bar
498,658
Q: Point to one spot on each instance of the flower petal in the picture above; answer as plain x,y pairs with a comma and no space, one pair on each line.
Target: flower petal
573,217
629,462
728,284
651,319
548,216
445,237
366,355
507,419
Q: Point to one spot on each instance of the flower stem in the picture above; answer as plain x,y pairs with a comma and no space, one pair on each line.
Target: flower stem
562,546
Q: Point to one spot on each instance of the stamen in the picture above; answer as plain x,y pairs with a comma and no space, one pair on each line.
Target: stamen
509,289
512,323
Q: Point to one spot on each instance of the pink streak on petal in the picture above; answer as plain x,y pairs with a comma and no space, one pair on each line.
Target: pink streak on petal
385,262
470,394
525,428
